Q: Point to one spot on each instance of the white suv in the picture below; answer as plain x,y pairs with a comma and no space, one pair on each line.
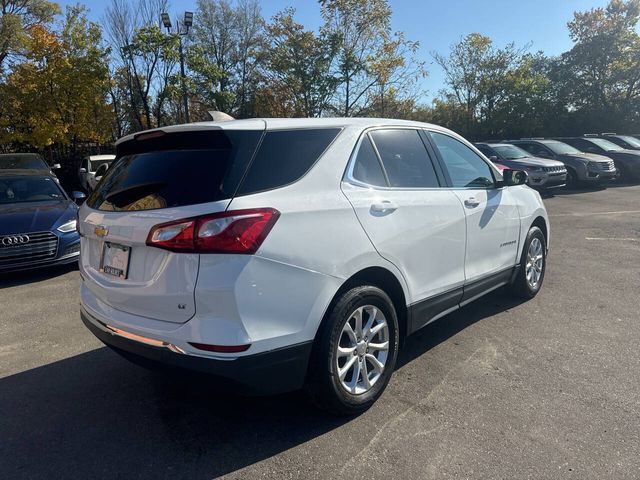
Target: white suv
287,253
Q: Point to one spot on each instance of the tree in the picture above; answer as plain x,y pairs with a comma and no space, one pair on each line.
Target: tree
58,94
17,18
226,55
491,89
299,66
369,56
599,78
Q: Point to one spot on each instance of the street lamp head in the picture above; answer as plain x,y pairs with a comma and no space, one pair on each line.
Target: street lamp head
166,21
188,19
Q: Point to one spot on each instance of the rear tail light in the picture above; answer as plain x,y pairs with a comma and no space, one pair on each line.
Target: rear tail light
236,231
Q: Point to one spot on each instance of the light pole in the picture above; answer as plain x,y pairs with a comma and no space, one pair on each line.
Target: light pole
187,23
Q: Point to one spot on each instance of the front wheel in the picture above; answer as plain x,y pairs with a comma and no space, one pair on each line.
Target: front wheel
530,276
355,352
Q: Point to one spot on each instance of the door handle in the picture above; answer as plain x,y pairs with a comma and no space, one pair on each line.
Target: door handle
385,206
471,202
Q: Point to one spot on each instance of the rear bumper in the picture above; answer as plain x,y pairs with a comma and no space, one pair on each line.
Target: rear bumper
276,371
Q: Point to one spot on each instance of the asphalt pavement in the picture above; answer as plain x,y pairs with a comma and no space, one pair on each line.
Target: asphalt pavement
500,389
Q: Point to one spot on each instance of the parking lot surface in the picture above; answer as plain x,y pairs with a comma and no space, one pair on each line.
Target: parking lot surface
500,389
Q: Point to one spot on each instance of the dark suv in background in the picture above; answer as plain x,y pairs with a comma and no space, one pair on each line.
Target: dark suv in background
542,173
625,141
582,168
627,162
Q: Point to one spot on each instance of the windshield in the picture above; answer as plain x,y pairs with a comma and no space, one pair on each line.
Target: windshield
29,161
28,189
560,148
511,152
605,144
94,164
634,142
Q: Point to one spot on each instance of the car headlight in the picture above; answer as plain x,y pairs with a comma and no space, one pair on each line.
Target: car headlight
67,227
534,169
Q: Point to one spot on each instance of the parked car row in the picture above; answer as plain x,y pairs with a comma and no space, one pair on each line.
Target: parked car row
574,161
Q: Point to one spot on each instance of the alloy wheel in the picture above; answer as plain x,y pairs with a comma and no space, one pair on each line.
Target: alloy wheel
362,349
535,262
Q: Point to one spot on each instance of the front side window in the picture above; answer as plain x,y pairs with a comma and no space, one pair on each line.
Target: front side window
465,167
405,158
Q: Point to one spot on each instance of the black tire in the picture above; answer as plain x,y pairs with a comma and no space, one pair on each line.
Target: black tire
572,179
520,286
323,385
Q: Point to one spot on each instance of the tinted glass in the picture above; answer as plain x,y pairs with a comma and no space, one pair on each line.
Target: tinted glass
367,168
634,142
144,179
284,157
605,144
28,189
22,161
488,152
96,163
466,168
511,152
405,158
560,148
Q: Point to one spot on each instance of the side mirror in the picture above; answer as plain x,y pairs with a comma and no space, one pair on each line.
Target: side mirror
514,177
493,158
56,166
78,197
82,170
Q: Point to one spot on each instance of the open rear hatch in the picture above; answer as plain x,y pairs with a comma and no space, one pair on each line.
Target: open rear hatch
158,177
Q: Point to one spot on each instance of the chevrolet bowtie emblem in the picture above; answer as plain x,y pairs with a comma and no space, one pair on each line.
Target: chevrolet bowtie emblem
101,231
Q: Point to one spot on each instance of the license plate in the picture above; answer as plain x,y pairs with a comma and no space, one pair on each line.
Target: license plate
115,260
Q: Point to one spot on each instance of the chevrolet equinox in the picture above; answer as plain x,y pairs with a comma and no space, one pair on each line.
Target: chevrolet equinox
279,254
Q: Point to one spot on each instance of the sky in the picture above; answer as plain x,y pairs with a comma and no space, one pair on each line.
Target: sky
437,24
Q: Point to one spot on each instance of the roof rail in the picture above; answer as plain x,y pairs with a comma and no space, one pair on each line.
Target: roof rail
532,138
609,134
590,135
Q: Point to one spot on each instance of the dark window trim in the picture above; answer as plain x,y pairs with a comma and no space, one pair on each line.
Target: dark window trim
347,175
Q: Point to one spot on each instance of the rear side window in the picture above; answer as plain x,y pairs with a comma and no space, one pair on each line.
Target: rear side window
405,158
367,168
176,171
284,157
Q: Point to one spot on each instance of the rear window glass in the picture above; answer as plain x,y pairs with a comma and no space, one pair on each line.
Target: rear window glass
22,161
284,157
171,176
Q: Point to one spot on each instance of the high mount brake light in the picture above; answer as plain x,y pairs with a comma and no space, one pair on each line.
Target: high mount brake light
236,231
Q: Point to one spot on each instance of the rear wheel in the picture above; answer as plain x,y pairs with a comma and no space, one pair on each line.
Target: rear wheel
533,262
355,352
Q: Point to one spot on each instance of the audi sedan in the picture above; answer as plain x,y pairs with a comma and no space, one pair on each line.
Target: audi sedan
37,221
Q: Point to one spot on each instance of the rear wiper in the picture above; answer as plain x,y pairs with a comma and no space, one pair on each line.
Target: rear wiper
126,196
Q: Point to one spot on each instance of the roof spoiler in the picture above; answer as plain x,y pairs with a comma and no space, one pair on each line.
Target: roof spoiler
217,116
